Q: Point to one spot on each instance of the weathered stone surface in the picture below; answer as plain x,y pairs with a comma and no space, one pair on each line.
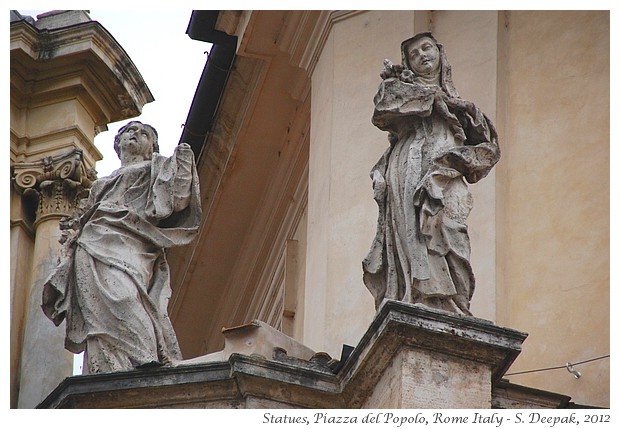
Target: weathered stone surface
510,396
439,348
55,183
61,18
112,284
254,338
438,141
394,366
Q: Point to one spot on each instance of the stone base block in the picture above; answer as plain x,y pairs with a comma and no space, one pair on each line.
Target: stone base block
415,357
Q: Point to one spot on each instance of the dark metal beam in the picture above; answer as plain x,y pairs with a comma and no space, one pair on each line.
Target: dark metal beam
211,86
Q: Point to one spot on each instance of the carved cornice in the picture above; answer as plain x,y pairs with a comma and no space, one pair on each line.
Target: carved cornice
306,42
233,22
44,53
56,183
397,331
301,33
28,147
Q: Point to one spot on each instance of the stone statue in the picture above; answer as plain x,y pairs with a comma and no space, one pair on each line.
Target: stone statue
437,142
112,284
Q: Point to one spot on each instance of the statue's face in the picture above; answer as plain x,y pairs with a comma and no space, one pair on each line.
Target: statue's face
136,140
423,56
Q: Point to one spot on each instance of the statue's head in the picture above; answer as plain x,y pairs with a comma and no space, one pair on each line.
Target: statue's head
138,138
421,54
424,56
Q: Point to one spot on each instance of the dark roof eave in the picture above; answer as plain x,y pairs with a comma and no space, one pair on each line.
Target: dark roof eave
211,85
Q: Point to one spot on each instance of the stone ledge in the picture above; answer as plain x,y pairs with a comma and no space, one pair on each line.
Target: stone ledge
507,395
212,385
279,381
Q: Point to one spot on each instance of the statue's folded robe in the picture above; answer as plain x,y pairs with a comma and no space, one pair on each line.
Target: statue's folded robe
113,284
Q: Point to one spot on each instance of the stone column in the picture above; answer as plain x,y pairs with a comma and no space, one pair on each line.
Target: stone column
55,184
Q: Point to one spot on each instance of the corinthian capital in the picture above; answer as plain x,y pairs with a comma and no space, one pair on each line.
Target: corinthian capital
55,182
30,175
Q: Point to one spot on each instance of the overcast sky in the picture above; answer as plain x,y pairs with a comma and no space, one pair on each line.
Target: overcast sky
170,62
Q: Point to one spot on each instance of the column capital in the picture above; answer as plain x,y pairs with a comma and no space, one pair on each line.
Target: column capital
55,183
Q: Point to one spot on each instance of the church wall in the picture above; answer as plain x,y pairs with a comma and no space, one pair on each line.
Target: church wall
540,224
553,199
301,237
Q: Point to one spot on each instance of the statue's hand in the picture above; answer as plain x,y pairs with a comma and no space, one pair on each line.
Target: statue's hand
183,150
390,70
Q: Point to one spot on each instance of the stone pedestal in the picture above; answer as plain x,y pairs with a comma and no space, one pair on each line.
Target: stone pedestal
416,357
410,357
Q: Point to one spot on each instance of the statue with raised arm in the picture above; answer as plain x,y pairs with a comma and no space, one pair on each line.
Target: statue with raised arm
112,284
438,142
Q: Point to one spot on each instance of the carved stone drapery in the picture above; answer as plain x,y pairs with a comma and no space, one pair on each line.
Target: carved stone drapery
55,183
438,142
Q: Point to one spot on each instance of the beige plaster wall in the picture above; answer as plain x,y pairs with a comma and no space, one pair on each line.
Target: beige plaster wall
344,145
540,223
301,235
553,203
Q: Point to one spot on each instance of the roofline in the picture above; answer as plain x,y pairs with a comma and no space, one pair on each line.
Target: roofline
210,89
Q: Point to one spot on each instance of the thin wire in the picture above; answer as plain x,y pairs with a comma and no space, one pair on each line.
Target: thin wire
208,53
193,133
558,367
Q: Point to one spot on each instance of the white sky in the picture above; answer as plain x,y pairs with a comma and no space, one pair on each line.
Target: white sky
170,62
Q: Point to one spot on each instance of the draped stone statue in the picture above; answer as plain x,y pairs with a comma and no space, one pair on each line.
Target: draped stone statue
112,284
438,142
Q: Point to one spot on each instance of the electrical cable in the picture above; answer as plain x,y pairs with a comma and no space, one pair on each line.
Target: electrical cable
558,367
